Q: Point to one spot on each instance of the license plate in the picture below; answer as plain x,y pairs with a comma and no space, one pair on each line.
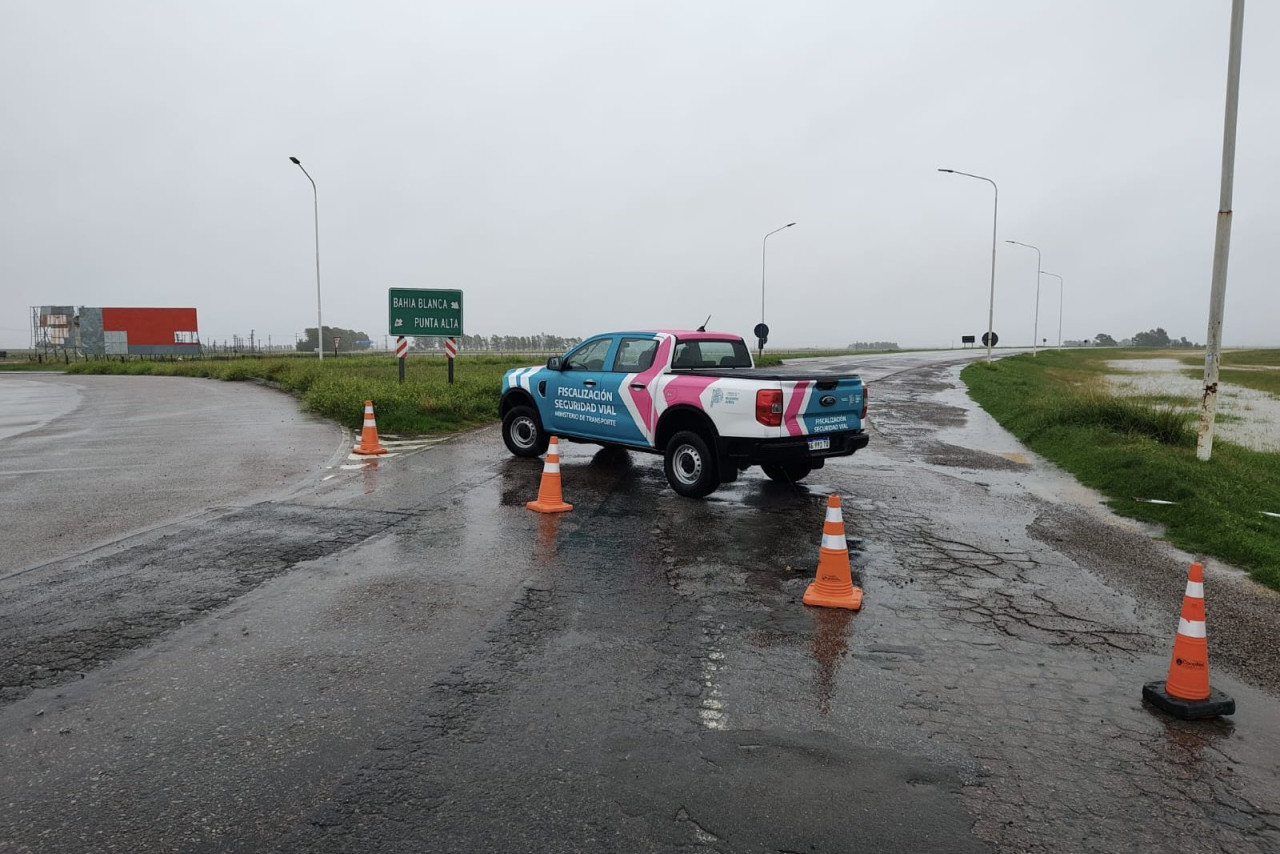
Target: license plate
823,444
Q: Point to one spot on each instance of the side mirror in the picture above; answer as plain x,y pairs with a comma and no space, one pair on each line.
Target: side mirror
555,363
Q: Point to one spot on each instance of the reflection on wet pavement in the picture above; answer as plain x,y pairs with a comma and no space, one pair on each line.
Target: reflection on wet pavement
830,646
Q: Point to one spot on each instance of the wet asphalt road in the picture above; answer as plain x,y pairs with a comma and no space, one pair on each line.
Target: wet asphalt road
395,655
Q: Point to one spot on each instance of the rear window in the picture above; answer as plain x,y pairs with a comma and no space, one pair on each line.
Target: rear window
710,353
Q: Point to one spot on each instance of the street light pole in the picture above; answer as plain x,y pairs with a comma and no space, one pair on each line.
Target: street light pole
1059,278
764,246
1222,243
1035,327
315,195
995,213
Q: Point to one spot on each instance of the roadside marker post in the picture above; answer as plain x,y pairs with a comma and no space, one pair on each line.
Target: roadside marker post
402,350
451,350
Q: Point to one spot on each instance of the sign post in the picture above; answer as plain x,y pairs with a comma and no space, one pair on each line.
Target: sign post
402,350
762,335
425,313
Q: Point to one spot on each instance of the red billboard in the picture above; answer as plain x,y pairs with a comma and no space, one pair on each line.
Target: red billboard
153,327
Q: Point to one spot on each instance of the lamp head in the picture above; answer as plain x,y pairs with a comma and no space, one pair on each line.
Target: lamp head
296,161
947,170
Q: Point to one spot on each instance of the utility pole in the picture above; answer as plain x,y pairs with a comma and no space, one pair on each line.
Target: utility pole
1222,243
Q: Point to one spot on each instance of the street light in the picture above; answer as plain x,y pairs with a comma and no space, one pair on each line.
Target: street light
1059,278
764,246
315,195
1035,327
995,213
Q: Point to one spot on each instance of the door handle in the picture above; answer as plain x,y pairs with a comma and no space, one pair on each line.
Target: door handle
589,383
638,386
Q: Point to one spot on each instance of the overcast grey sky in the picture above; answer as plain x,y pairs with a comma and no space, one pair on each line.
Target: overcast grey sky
582,166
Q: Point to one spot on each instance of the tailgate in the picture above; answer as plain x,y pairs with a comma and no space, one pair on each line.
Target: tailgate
813,407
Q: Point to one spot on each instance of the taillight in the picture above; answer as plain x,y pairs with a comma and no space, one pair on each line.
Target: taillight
769,407
863,416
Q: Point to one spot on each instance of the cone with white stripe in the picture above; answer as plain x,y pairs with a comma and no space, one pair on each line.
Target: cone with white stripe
549,497
1186,693
833,586
369,435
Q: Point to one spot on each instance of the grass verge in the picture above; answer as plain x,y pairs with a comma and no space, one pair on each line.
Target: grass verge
1130,450
338,388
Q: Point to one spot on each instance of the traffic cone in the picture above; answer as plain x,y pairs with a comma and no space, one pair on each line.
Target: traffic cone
369,435
549,498
833,586
1186,693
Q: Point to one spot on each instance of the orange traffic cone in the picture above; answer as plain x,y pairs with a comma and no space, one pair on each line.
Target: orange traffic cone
549,498
369,435
1186,693
833,587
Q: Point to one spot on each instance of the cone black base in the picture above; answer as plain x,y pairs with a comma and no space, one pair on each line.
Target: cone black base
1217,703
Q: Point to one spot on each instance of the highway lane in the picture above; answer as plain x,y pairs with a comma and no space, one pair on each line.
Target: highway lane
450,671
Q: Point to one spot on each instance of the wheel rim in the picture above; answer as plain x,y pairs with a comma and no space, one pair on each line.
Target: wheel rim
524,433
686,464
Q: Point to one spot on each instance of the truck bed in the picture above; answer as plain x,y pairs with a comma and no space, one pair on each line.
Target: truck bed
779,374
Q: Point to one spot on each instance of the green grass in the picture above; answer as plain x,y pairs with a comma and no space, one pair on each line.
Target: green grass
21,365
338,388
1259,380
1129,449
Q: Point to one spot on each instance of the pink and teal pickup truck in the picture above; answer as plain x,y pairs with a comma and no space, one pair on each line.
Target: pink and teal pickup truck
694,397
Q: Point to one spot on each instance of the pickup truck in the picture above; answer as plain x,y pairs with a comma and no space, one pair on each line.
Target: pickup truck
694,397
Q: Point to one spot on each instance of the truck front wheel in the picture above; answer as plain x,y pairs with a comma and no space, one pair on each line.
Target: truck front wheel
523,434
690,466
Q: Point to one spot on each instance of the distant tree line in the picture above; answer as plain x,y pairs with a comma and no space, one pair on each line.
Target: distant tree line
348,339
1151,338
542,343
874,345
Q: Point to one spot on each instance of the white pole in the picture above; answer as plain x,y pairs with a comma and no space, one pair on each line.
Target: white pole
764,246
1035,326
1222,242
995,214
1059,278
1061,286
315,196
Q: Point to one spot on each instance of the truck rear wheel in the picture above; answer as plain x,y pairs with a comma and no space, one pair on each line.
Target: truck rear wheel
523,434
690,466
789,473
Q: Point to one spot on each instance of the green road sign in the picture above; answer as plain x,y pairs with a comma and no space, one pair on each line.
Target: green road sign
424,313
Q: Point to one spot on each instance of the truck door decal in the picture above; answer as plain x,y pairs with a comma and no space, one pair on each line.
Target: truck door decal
639,401
686,389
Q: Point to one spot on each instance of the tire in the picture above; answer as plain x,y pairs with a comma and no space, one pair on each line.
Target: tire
690,466
789,473
523,434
